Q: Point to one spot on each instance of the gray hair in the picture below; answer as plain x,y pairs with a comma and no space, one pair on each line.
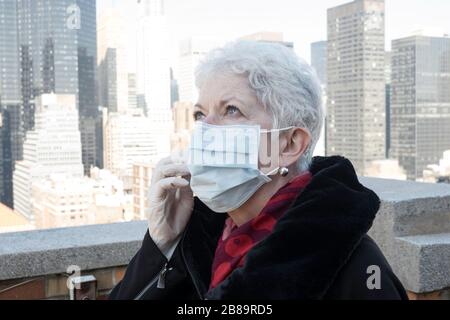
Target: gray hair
284,83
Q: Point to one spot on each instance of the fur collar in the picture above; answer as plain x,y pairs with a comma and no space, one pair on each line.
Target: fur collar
309,244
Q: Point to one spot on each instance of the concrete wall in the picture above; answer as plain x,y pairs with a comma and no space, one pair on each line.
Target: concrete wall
412,228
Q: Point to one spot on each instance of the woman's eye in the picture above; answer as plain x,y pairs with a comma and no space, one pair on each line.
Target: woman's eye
198,116
232,110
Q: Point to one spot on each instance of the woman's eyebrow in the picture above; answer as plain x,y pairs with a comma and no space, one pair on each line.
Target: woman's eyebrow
198,105
228,99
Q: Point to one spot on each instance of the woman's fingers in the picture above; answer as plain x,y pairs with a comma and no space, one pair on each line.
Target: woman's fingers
173,183
164,161
174,170
168,168
180,156
168,184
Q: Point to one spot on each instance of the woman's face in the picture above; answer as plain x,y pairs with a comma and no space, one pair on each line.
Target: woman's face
227,99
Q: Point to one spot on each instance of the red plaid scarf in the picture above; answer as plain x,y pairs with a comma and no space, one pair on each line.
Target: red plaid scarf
236,242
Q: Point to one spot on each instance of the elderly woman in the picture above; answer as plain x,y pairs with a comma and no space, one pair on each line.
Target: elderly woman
236,220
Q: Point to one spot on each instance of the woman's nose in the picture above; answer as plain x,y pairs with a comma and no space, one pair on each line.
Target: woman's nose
212,119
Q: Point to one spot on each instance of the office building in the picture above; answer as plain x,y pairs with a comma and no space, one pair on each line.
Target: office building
58,54
268,36
52,147
113,76
153,72
319,60
420,102
11,106
129,139
356,82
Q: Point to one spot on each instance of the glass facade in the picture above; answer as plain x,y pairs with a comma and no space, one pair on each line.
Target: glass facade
319,60
57,41
46,46
420,108
9,64
11,110
356,82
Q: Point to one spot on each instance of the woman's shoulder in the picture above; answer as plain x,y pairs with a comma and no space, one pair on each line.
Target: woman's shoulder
367,275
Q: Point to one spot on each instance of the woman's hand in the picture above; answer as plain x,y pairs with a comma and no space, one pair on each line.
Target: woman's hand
170,201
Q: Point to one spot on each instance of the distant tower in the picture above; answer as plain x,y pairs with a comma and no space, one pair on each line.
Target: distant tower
54,146
319,63
356,82
129,139
12,125
387,74
192,50
266,36
58,54
153,71
113,77
319,60
420,102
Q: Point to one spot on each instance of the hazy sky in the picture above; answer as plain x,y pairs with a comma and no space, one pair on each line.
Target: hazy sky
301,21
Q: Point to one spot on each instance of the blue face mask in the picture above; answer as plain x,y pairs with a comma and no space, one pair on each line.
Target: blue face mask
224,164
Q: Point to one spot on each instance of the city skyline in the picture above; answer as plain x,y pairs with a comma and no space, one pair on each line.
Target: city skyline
301,23
142,121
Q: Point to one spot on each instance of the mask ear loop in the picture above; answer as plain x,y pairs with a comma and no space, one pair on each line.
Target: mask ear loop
273,172
275,130
282,171
278,169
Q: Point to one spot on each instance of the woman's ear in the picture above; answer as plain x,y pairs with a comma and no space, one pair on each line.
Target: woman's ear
294,145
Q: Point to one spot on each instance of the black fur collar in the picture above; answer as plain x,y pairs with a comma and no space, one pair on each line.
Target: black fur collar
308,246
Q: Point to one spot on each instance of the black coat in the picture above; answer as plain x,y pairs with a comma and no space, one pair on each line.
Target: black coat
319,249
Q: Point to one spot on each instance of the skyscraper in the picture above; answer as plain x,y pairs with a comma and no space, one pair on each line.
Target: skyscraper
153,71
52,147
356,83
11,107
192,50
174,91
420,102
183,125
113,76
129,139
319,60
132,91
58,54
319,63
267,36
387,74
9,62
11,147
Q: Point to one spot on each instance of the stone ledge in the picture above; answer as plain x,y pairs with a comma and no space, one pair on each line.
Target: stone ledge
45,252
398,191
412,228
429,262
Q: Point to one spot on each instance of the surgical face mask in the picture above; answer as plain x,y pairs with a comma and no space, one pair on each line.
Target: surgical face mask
224,164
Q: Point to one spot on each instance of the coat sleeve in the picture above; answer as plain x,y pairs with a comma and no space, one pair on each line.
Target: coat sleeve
367,276
144,272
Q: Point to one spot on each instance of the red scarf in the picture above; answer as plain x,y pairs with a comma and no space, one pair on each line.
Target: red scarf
236,242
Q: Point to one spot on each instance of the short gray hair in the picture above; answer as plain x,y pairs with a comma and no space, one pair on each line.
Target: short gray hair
285,84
